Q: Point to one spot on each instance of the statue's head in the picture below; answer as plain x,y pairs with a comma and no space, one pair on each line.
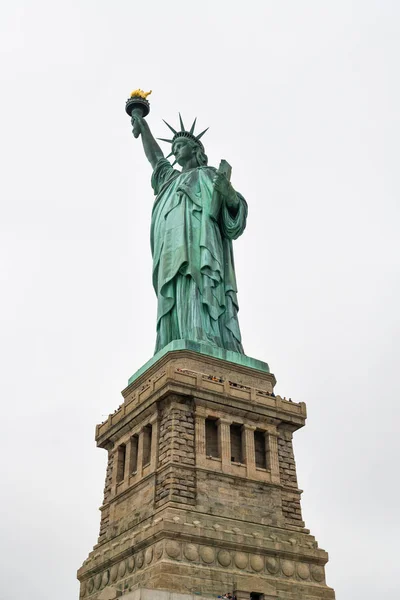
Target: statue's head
186,145
185,149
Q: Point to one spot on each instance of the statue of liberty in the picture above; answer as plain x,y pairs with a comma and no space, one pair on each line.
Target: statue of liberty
196,215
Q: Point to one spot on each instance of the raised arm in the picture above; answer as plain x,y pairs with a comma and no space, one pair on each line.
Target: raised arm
152,150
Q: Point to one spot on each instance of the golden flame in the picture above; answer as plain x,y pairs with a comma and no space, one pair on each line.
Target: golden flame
140,94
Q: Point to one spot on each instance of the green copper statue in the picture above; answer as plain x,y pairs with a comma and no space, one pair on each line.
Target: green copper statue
196,215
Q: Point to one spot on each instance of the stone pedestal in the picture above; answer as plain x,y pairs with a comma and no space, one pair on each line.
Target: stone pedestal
201,494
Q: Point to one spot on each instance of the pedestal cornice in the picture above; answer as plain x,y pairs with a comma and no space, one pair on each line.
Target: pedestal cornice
185,372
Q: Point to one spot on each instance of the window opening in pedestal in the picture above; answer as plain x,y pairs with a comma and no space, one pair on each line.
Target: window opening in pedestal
236,443
147,434
121,456
212,448
260,449
134,453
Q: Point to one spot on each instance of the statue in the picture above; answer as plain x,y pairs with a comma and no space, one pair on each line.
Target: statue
196,215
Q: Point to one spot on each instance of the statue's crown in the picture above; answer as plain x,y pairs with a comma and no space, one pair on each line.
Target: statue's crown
183,133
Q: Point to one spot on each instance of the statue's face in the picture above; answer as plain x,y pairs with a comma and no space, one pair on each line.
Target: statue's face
183,151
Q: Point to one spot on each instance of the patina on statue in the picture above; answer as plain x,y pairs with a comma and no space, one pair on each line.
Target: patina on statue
191,242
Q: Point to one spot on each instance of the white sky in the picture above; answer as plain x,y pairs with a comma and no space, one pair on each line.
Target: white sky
302,98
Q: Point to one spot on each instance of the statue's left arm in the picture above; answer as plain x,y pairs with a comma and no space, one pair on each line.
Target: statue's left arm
225,188
233,210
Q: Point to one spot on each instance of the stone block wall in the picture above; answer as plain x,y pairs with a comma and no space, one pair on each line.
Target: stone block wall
176,485
132,507
176,479
176,441
287,469
105,513
287,464
238,498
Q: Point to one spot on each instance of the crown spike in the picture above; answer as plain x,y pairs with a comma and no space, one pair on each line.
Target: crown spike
165,140
193,126
174,163
201,134
170,154
182,125
171,128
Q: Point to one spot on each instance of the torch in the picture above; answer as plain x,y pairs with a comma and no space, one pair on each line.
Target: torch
138,104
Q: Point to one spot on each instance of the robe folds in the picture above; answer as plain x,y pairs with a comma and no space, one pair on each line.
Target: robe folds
193,267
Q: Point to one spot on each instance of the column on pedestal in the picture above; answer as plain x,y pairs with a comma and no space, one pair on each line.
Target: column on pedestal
154,442
271,448
200,439
249,452
224,441
118,472
140,454
128,457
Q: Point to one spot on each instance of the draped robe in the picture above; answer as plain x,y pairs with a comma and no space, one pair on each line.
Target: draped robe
193,266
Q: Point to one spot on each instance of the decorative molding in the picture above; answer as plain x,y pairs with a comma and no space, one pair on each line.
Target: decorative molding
131,564
272,565
318,573
288,568
159,549
114,573
257,562
303,571
122,569
207,554
173,549
224,558
208,557
97,581
241,560
105,578
191,552
139,560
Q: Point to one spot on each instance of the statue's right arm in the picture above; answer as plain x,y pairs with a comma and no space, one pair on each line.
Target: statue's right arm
152,150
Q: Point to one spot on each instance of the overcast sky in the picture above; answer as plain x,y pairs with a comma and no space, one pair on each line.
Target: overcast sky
302,98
